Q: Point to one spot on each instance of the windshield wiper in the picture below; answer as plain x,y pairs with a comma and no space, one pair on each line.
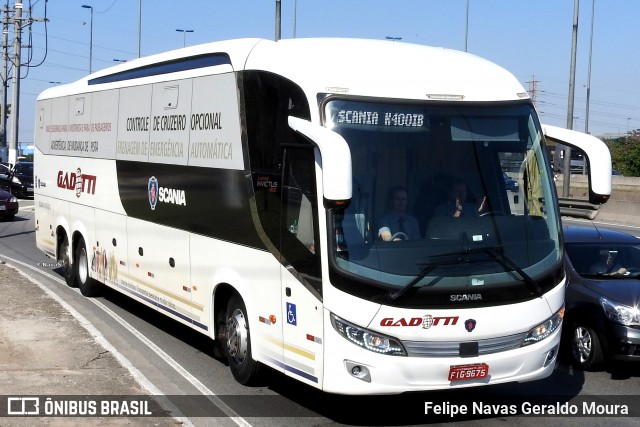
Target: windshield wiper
457,258
511,266
395,295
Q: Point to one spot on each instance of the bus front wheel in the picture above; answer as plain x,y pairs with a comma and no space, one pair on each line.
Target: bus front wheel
237,343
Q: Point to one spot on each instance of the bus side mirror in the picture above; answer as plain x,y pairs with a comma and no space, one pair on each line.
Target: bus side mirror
597,154
335,157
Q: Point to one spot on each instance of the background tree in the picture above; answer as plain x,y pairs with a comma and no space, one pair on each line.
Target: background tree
625,153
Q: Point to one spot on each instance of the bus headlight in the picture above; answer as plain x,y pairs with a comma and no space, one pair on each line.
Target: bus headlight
372,341
544,329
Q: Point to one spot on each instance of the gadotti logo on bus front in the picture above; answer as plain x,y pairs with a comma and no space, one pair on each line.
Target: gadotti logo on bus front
164,194
426,321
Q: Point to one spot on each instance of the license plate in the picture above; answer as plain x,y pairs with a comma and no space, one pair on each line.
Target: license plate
3,208
468,372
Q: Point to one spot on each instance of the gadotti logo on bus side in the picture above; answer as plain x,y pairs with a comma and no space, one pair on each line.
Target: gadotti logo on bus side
426,321
164,194
77,181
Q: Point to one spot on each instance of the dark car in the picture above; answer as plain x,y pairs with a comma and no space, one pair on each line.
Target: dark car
602,318
8,205
510,183
5,177
21,178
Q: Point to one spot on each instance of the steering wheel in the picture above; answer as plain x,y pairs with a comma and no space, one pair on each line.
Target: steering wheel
399,236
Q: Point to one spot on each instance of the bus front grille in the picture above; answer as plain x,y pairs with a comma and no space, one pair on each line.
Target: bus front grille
452,348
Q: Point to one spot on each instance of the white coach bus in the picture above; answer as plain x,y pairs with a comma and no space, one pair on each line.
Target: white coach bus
241,188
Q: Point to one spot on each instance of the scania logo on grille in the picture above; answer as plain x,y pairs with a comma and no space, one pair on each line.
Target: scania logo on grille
470,324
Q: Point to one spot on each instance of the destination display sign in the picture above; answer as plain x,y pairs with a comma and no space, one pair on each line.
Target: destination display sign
368,115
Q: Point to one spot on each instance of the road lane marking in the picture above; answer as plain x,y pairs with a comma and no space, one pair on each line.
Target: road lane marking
137,374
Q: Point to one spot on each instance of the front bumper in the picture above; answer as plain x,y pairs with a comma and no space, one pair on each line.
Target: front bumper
624,343
9,209
399,374
25,190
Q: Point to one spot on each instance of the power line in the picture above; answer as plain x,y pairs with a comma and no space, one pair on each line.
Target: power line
19,22
543,103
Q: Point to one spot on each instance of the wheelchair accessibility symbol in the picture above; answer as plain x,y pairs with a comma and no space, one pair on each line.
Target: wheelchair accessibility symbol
291,314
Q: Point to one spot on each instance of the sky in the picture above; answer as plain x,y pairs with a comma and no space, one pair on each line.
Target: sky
532,39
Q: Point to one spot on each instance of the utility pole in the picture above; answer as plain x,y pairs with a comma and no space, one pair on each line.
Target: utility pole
586,119
139,26
15,90
572,86
466,30
18,22
5,85
278,19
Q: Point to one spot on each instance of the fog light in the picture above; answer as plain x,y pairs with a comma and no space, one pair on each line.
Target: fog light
628,349
551,356
358,371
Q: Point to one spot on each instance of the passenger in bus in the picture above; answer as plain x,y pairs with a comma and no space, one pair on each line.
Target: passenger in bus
457,205
396,224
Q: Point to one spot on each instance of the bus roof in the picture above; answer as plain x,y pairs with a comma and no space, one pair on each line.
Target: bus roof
378,68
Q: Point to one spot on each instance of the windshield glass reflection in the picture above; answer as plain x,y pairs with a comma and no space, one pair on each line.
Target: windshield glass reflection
447,197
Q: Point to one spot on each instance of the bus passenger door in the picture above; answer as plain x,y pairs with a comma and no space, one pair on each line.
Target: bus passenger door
301,271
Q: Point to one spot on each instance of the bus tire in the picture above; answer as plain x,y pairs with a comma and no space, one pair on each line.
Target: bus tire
88,286
237,343
68,269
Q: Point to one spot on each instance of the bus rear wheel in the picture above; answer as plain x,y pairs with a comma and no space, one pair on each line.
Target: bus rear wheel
67,267
88,286
237,343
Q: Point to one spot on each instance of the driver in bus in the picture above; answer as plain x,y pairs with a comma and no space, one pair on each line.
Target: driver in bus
396,224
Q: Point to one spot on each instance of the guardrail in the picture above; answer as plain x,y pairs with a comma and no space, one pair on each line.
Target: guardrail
577,208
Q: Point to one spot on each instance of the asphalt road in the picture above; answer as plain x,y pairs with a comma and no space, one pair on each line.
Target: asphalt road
172,360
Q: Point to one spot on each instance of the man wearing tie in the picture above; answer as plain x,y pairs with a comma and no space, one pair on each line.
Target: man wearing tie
396,224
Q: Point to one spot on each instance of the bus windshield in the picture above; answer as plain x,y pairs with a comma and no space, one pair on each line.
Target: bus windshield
451,202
